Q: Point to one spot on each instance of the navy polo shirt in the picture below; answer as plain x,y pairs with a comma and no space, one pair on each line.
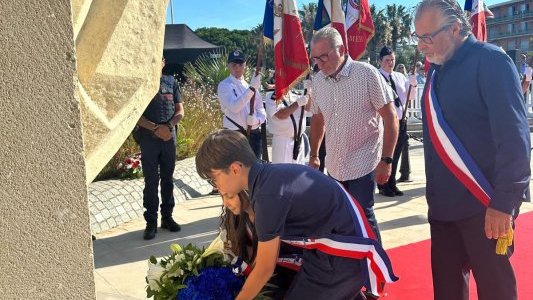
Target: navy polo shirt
291,200
479,92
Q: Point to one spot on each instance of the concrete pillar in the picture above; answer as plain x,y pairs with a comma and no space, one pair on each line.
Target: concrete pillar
50,113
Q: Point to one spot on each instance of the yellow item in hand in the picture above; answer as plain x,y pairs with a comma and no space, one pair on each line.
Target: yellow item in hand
504,242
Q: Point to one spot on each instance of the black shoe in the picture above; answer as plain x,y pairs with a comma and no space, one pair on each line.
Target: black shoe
396,191
170,224
150,231
404,179
386,191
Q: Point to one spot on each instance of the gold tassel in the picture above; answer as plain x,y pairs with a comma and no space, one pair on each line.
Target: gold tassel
504,242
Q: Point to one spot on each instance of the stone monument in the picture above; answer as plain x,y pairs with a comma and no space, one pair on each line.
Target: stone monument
75,76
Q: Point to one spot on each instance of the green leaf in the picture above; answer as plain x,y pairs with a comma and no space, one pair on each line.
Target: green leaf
153,260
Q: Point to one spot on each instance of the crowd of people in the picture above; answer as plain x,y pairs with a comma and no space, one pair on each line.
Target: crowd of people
476,151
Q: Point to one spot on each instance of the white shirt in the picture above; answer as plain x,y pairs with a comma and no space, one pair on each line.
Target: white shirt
234,96
282,127
354,128
402,86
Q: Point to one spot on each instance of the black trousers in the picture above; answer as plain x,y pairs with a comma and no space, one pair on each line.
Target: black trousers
405,165
158,161
460,246
402,139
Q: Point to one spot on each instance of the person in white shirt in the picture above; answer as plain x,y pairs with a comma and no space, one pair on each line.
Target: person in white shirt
286,120
234,94
400,86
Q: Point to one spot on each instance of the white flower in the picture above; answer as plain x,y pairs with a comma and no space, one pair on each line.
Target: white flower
216,246
189,252
175,248
198,261
154,275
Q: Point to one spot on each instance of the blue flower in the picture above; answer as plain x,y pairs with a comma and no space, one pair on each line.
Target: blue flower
213,283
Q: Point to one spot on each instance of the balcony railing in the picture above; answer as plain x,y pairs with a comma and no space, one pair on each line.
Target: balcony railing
508,34
518,16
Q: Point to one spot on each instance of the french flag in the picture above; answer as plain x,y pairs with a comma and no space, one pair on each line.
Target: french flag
281,25
330,13
360,27
477,18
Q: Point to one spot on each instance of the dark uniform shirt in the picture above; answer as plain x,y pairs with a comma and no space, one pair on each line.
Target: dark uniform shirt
163,106
481,100
297,201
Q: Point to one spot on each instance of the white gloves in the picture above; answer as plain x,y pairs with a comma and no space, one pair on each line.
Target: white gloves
528,73
302,100
412,80
252,120
256,82
308,84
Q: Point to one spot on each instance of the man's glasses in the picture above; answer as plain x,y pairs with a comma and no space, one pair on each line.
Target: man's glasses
213,180
324,57
428,38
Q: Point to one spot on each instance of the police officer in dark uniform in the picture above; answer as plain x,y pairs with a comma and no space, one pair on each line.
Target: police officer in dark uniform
157,138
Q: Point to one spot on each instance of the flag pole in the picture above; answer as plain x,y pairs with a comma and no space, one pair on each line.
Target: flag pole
257,71
413,71
171,12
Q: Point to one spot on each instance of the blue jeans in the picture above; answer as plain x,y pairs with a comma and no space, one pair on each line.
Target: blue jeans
158,161
362,189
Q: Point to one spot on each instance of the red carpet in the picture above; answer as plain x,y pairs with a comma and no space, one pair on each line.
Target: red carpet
412,264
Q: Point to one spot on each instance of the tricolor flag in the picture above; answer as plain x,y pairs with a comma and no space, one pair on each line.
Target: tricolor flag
282,25
360,27
329,13
477,18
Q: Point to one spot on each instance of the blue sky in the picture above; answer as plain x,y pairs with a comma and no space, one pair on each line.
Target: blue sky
241,14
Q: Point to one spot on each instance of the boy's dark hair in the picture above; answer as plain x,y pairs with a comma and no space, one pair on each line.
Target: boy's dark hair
220,149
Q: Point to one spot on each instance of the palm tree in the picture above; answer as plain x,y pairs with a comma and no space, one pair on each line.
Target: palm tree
382,33
307,17
400,20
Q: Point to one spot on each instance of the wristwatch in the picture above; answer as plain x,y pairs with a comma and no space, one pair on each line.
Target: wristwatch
387,160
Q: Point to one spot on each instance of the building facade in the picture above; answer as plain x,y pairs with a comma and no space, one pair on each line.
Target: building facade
512,26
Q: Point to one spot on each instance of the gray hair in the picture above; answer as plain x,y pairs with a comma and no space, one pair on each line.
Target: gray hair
450,10
330,34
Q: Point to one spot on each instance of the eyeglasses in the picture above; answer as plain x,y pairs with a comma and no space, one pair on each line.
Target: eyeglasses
324,57
428,38
213,181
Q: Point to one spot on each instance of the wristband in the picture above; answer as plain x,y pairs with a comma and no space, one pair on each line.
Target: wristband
313,156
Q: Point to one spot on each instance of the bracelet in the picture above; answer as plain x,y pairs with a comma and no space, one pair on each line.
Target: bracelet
155,127
313,156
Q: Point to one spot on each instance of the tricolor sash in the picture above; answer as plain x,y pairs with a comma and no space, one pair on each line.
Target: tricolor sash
450,150
363,245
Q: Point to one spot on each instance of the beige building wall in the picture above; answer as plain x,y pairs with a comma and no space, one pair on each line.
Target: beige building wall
49,112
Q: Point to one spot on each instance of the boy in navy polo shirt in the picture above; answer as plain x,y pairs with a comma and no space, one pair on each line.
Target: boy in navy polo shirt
302,207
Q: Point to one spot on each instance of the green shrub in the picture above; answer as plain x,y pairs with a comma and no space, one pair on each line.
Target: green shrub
202,116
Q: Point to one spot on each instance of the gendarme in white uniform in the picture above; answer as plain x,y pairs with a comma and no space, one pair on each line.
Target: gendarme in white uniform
283,131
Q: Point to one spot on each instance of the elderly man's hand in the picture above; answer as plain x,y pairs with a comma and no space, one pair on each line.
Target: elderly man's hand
497,223
314,162
383,172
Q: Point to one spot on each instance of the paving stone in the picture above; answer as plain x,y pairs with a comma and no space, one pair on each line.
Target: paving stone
111,223
99,218
106,214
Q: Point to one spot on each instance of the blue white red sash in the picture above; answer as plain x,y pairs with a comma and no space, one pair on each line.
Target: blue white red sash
450,149
363,245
